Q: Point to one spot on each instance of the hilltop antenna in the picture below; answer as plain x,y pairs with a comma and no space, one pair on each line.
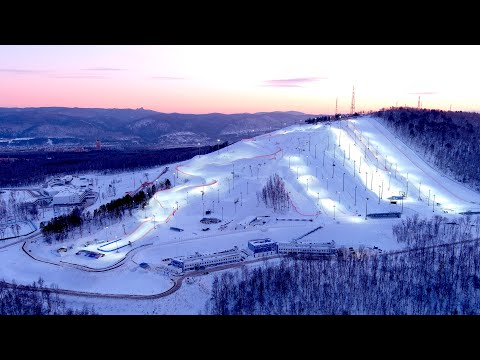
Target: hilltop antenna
418,106
336,107
352,109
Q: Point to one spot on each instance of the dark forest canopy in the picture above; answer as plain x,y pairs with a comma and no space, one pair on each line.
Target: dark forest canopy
448,140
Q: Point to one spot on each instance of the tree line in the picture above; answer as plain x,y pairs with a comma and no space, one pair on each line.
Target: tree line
448,140
61,227
436,280
29,168
35,299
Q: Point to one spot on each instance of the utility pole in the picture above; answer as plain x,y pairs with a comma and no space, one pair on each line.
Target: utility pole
307,184
222,213
433,203
355,195
366,208
343,182
354,168
366,180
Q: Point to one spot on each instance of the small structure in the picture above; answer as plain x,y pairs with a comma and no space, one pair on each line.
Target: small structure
176,229
262,247
144,265
210,220
385,215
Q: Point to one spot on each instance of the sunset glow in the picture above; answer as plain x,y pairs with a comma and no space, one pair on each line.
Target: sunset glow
238,78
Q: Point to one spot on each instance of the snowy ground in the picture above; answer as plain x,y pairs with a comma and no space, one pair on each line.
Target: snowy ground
334,174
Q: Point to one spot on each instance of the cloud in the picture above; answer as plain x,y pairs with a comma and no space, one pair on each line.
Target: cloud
167,78
295,82
423,93
104,69
78,77
21,71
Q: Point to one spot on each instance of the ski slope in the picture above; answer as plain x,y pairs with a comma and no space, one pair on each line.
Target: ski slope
334,173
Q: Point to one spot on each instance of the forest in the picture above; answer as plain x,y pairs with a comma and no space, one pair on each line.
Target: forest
27,168
448,140
34,299
437,273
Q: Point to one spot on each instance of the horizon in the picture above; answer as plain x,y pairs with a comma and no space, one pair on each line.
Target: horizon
235,79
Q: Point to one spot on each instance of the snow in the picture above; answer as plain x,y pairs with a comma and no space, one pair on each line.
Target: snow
370,163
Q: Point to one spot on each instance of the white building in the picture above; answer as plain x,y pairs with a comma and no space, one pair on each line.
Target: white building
204,261
307,248
69,196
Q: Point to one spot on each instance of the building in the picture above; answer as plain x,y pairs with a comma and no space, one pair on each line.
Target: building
69,196
262,247
318,249
202,262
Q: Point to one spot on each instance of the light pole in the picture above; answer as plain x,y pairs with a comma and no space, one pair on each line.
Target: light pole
218,146
318,197
247,187
343,182
203,209
176,202
333,170
222,213
198,149
419,191
355,195
428,201
233,177
187,197
153,222
378,194
433,203
307,184
218,194
333,211
406,194
241,199
366,180
389,179
354,161
366,208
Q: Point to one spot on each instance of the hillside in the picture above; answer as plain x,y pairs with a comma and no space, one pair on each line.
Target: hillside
42,126
338,175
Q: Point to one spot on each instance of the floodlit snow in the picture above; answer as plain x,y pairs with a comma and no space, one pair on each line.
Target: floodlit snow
334,174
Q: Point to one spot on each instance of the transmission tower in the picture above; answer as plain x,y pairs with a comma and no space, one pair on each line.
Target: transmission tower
418,107
352,109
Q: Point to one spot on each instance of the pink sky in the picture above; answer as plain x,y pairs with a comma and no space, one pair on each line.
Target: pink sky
238,78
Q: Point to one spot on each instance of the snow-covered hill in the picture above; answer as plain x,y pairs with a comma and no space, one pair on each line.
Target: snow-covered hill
335,174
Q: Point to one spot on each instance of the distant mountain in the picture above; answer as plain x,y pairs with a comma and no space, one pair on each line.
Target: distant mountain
82,126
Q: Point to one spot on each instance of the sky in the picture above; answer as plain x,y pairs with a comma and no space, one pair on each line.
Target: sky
200,79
